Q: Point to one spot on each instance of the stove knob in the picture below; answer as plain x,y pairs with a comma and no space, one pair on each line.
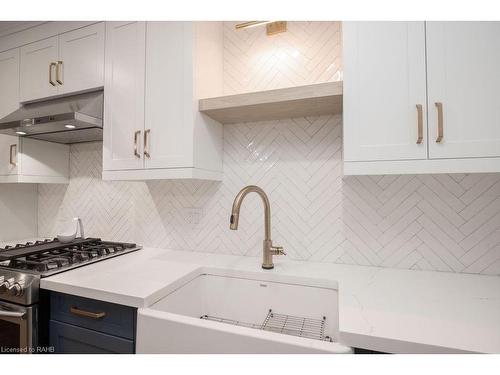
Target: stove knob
4,286
16,290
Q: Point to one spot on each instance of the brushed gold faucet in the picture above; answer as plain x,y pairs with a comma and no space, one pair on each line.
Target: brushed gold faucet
268,249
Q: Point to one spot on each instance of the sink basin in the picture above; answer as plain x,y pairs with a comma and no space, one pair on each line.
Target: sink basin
224,311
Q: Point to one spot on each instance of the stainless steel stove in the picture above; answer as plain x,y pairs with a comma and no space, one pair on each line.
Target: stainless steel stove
21,268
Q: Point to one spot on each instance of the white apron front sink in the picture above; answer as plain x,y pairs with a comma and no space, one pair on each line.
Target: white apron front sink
224,311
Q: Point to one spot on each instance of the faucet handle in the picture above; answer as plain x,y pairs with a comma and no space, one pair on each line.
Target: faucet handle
278,250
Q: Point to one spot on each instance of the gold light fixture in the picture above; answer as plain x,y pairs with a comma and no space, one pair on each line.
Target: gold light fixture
272,27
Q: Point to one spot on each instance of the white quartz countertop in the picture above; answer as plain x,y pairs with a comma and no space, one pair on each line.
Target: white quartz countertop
390,310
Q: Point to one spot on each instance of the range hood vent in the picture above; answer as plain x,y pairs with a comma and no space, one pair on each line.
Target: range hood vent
70,119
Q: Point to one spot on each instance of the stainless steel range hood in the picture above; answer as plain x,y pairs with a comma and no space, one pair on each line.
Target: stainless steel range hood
71,119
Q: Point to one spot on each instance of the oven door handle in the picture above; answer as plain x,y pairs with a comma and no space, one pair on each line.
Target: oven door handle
13,314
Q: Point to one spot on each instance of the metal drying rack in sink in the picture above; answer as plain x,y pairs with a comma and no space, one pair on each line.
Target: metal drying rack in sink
285,324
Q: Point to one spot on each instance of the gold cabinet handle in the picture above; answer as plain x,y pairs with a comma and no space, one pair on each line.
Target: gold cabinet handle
136,137
439,107
87,314
58,72
50,73
146,143
420,124
13,150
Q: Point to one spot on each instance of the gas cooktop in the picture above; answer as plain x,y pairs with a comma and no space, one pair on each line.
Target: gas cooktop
48,257
23,265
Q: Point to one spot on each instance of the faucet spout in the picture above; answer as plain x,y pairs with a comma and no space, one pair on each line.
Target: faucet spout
235,212
233,221
268,249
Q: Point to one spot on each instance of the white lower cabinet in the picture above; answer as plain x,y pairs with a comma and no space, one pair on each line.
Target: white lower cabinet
421,97
152,127
32,161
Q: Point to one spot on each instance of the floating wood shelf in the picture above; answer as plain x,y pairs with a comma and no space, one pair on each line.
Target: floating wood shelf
301,101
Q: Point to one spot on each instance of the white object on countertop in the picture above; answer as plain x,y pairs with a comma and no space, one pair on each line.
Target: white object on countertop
70,235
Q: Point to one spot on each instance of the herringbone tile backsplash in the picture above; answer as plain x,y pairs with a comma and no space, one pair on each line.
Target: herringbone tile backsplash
432,222
307,53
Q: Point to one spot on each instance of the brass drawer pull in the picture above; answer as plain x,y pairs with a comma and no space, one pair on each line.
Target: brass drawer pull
439,107
420,124
87,314
50,73
146,148
136,137
58,72
13,150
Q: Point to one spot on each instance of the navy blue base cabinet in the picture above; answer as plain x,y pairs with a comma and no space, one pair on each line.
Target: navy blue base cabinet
85,326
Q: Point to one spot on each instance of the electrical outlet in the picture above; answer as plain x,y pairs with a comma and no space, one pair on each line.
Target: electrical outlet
193,215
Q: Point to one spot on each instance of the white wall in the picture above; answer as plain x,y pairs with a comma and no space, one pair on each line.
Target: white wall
432,222
18,211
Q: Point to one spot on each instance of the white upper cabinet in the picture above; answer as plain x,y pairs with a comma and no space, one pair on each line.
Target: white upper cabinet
34,161
384,81
9,102
9,146
67,63
155,74
124,95
23,159
81,53
38,69
9,82
463,62
449,70
168,143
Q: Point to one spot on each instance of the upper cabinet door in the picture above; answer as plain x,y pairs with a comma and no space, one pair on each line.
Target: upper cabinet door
124,95
9,150
38,69
81,59
384,82
9,102
169,136
463,59
9,82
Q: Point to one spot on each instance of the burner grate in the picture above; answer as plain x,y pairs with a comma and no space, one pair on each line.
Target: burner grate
49,256
284,324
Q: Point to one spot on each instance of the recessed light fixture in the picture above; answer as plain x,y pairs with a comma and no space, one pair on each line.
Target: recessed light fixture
272,27
20,133
70,126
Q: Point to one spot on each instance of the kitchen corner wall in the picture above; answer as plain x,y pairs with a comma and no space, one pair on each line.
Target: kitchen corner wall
431,222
